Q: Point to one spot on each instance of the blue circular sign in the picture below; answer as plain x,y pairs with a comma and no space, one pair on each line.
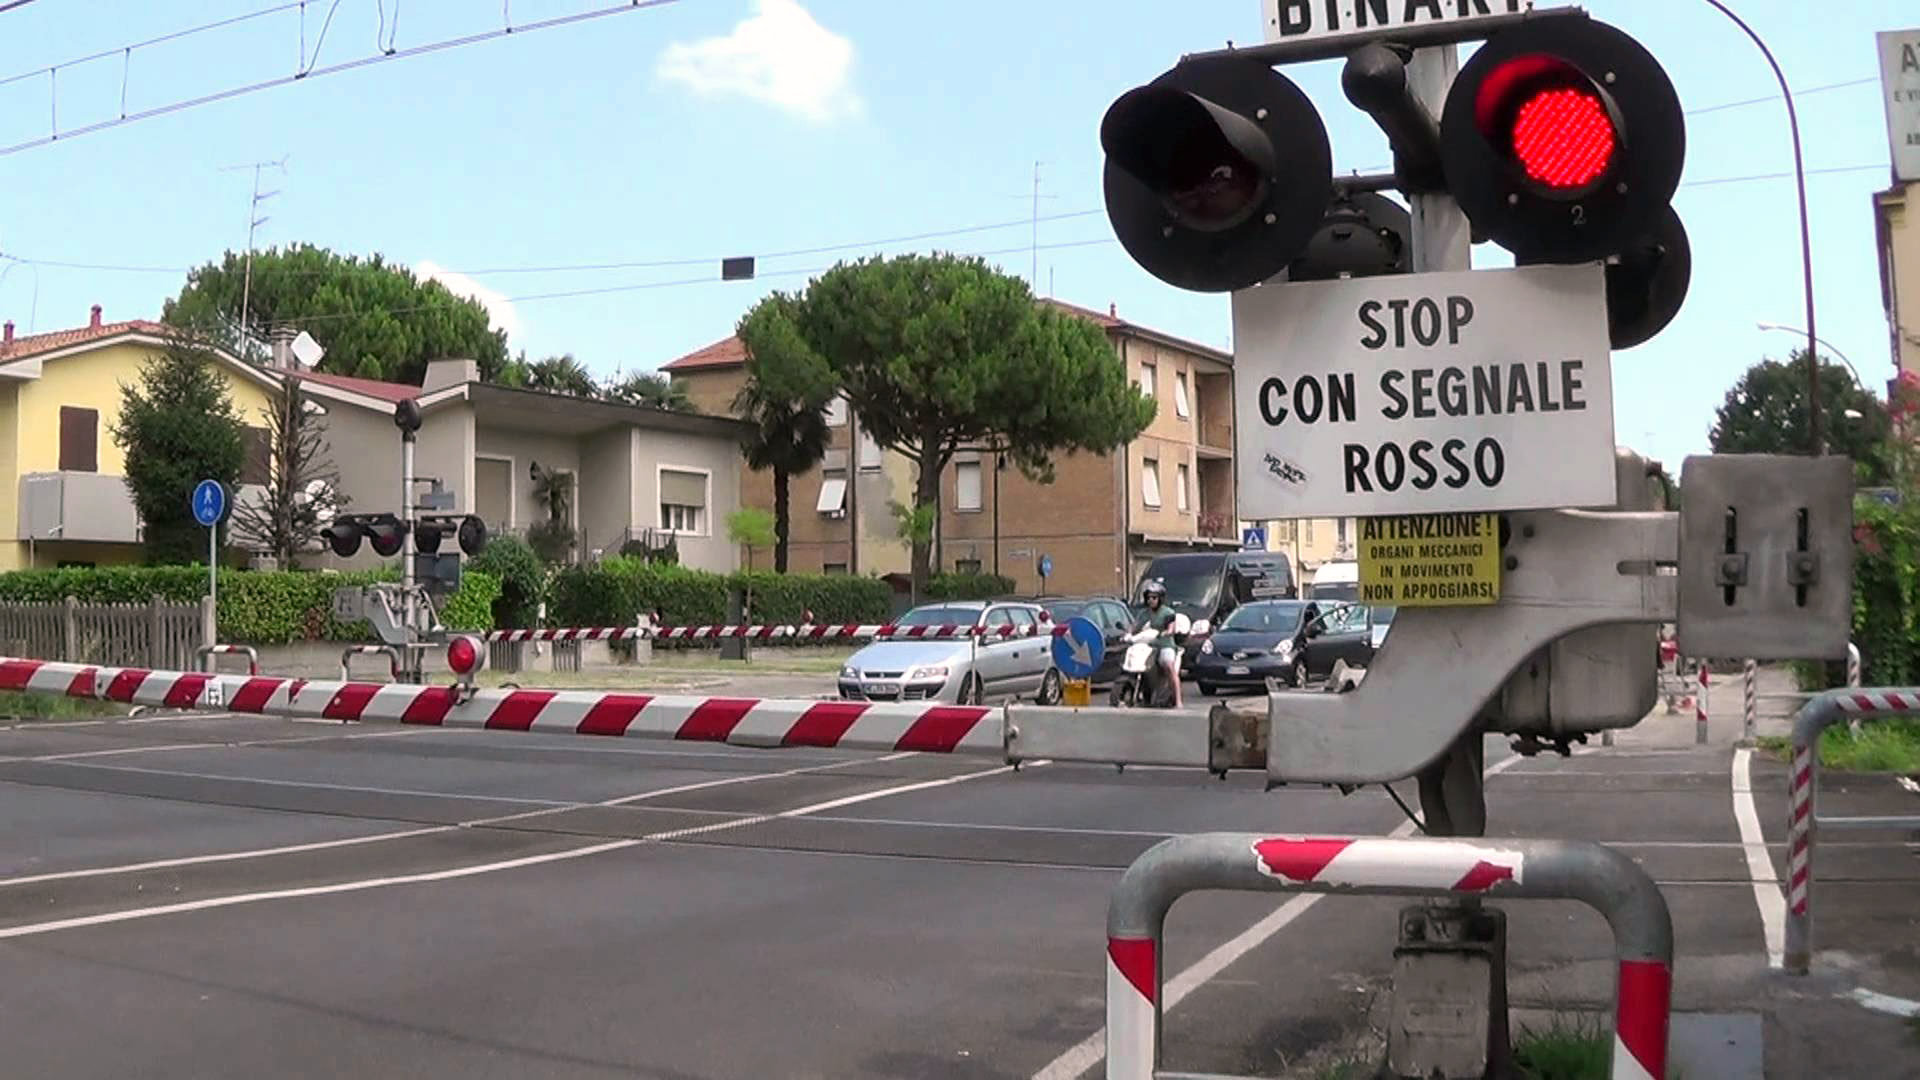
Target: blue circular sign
209,502
1078,651
1046,566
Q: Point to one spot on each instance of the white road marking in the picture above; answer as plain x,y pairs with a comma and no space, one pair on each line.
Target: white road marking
295,849
1089,1051
1766,884
1885,1003
104,918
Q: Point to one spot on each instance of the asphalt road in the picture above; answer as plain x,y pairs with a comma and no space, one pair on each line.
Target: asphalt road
246,897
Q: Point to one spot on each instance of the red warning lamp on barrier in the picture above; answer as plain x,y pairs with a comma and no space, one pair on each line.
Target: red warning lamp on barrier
465,654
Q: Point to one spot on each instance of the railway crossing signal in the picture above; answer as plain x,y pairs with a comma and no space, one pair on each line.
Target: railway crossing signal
1561,139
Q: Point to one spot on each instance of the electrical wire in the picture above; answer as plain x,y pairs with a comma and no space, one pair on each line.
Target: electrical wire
652,264
319,41
4,8
1776,97
331,69
174,35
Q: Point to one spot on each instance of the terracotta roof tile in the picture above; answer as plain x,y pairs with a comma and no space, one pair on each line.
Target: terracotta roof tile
373,388
35,344
727,352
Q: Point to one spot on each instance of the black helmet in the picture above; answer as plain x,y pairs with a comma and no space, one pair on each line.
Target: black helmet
1152,589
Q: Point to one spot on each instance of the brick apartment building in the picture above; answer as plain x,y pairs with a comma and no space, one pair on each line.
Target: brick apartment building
1100,521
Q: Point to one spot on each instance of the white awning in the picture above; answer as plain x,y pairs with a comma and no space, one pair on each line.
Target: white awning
833,494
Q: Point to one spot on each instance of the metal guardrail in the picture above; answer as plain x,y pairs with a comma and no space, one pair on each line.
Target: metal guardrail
1804,821
392,654
1597,876
203,656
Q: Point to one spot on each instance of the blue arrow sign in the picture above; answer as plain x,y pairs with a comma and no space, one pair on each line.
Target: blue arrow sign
1046,566
209,502
1078,651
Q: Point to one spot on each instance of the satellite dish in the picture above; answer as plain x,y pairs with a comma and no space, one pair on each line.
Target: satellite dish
319,491
306,350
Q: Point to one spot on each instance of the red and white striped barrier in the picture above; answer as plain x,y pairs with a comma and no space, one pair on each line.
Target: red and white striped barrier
253,657
1548,869
853,725
774,632
1803,818
1700,709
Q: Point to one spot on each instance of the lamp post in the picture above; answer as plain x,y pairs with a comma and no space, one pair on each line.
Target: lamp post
1830,347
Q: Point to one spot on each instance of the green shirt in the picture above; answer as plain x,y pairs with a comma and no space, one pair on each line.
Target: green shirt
1162,621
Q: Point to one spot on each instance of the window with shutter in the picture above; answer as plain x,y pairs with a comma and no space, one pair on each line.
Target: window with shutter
79,439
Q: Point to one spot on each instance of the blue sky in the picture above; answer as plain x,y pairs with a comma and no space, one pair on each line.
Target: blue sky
704,128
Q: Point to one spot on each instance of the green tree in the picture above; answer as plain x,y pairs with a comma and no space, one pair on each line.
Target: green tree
553,539
938,352
375,319
750,527
302,492
1766,413
785,399
561,375
650,390
177,427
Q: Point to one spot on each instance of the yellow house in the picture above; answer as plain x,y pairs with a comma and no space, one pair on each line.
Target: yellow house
63,500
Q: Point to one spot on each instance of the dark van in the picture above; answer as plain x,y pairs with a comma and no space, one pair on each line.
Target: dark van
1208,585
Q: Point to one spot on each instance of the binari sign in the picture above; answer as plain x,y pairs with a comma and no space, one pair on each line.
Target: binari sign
1900,81
1472,390
1305,20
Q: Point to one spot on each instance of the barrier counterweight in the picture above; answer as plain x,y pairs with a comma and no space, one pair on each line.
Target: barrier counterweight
1597,876
744,721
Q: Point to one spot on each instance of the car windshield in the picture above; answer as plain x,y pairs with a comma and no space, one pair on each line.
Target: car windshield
1194,587
1382,616
1275,617
940,615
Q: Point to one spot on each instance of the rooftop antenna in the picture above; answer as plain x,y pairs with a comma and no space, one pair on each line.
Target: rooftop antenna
254,221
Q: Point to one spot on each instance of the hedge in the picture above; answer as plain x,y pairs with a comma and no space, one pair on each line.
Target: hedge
1886,592
522,578
616,591
968,586
255,607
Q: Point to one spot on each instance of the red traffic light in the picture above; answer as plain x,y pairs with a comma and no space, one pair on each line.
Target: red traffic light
1563,138
387,534
343,537
464,655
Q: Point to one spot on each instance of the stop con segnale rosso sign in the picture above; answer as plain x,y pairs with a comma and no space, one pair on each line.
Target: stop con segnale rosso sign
1459,391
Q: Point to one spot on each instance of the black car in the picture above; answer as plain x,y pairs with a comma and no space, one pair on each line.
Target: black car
1292,641
1109,613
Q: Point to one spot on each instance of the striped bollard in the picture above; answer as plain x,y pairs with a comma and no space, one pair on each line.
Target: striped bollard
1750,714
1853,680
1700,709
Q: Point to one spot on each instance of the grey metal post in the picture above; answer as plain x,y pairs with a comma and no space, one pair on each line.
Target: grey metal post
1597,876
70,631
406,554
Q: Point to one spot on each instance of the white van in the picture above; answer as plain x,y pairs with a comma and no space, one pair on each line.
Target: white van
1336,581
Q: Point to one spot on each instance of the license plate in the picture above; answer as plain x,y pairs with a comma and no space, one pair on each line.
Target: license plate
883,688
1237,669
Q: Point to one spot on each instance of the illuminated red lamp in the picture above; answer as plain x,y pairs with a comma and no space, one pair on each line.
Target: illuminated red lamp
1563,138
465,654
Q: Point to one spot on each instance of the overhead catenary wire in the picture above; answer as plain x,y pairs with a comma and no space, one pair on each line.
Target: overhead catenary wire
378,57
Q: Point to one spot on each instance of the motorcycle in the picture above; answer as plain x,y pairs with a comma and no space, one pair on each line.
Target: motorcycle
1143,682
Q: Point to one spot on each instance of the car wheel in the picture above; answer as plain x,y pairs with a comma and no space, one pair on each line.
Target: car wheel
970,691
1051,690
1300,673
1207,689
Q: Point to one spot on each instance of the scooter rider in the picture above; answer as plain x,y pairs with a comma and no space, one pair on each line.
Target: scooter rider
1160,617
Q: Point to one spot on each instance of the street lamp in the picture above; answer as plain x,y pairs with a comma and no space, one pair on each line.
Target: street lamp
1823,341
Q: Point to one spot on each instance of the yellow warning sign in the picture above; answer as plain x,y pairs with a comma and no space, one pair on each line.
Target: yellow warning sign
1430,560
1077,693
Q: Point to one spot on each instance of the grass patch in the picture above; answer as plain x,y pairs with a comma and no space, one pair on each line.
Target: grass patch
1887,746
28,705
1570,1048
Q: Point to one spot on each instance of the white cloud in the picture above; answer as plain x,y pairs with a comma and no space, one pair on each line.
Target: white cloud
779,56
500,310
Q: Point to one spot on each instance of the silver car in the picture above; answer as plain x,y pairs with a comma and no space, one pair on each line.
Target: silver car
965,670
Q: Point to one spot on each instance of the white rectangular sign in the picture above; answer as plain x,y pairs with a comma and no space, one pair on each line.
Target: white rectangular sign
1900,81
1424,393
1306,20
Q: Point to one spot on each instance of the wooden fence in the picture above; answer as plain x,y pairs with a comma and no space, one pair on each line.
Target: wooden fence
154,635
